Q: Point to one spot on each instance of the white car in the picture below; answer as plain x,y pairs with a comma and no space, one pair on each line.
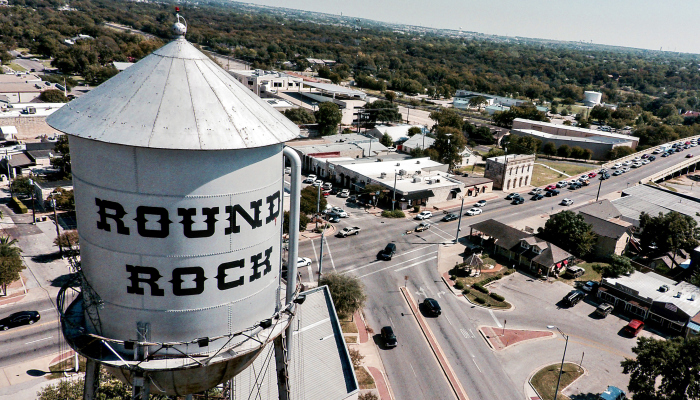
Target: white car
657,151
627,163
344,193
567,202
327,186
646,161
474,211
636,159
535,191
318,182
583,178
312,177
636,165
424,215
616,166
309,180
303,262
626,169
339,212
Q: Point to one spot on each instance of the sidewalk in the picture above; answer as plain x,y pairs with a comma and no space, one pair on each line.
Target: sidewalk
368,348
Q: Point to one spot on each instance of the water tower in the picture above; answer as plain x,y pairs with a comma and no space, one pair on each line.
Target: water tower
178,177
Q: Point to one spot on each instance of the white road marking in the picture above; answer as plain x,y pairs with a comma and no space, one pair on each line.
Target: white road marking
447,233
39,340
495,319
376,262
48,309
421,292
477,365
414,371
400,269
330,255
473,336
440,293
465,334
448,320
414,264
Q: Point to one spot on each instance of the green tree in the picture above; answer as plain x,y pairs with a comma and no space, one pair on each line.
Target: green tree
480,134
65,199
664,369
619,152
390,96
10,262
386,140
550,149
569,231
53,96
449,143
578,152
414,130
417,152
299,116
669,232
533,92
564,151
347,292
494,152
478,102
304,220
110,388
62,162
382,111
601,113
617,265
447,117
309,199
21,185
523,145
328,117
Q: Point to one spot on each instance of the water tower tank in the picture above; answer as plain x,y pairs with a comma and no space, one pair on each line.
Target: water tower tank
178,177
591,98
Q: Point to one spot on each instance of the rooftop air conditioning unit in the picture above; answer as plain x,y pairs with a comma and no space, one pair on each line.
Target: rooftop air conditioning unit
398,164
678,295
383,175
692,297
418,162
402,172
416,179
663,288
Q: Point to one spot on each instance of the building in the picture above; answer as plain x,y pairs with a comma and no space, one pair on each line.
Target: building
510,171
267,83
659,301
671,260
398,133
521,248
560,132
313,152
465,95
598,145
492,109
613,233
22,87
654,200
29,119
422,141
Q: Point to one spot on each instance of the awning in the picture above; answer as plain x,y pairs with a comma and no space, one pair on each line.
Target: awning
456,190
558,265
420,194
693,326
566,262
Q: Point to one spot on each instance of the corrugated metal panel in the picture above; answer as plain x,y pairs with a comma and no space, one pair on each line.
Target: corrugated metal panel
176,98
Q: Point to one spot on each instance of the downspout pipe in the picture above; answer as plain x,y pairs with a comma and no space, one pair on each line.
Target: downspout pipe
294,213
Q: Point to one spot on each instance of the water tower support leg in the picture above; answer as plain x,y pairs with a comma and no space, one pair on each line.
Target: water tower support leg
282,369
92,379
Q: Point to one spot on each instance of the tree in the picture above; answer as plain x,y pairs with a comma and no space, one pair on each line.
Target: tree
347,292
21,185
569,231
618,265
417,152
65,199
304,220
494,152
328,117
580,153
414,130
390,96
62,162
564,151
477,101
10,262
549,148
523,145
601,113
664,369
308,201
299,116
668,232
386,140
447,117
382,111
53,96
480,134
449,143
533,92
619,152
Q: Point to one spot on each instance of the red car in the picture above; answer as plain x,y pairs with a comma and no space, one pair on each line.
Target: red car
688,155
550,187
634,327
592,175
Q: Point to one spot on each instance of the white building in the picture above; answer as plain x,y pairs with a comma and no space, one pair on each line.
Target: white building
398,133
265,83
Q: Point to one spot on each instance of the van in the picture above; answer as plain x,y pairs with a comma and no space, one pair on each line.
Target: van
634,327
573,298
388,252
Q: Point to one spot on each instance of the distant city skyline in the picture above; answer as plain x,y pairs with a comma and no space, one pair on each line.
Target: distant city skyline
669,25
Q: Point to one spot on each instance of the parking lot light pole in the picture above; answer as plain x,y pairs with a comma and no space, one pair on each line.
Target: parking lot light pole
600,178
459,223
561,368
31,182
58,233
393,194
318,205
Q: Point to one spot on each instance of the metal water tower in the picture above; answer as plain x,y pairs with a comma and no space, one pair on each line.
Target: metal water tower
178,177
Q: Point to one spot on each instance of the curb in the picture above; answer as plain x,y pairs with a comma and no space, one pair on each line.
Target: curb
485,339
561,391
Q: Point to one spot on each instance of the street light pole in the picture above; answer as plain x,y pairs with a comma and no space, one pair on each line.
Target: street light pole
393,194
318,205
58,233
561,368
599,185
459,223
31,183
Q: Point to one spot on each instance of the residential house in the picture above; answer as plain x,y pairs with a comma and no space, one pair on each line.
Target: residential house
606,222
671,260
522,248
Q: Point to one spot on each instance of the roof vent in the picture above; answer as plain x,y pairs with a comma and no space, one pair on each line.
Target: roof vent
692,297
418,162
663,288
678,295
383,175
398,164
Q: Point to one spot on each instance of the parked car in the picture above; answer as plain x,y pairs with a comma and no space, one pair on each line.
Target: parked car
327,186
603,310
340,212
645,156
423,226
474,211
573,298
634,327
652,158
344,193
424,215
592,175
388,252
537,197
689,155
575,186
432,307
666,154
19,319
566,202
551,193
480,203
518,200
318,183
612,393
333,218
590,286
616,166
535,191
583,178
550,187
636,165
645,161
575,271
450,217
512,195
618,172
389,337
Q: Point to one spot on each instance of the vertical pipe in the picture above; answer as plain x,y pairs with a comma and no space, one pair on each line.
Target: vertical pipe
294,196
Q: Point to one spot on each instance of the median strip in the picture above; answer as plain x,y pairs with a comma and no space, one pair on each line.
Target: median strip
442,360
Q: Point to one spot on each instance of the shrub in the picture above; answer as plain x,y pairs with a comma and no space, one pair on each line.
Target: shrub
497,296
480,300
416,208
466,291
480,288
507,272
459,285
393,214
20,206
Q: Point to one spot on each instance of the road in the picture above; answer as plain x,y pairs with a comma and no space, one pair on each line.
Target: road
411,367
31,341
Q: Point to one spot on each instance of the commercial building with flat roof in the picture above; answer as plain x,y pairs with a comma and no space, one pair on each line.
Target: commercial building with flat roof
570,131
654,200
598,145
266,83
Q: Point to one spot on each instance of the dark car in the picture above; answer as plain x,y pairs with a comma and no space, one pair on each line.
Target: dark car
652,158
573,298
551,193
511,196
19,319
432,307
537,197
389,337
388,252
574,187
665,154
450,217
603,310
518,200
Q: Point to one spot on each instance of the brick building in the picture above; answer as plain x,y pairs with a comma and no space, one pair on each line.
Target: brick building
510,171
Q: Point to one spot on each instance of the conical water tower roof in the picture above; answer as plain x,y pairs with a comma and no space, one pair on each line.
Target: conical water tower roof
175,98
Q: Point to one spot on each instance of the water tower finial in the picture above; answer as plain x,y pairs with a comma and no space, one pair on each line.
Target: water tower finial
179,27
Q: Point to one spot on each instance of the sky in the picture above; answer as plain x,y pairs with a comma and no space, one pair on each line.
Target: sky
671,25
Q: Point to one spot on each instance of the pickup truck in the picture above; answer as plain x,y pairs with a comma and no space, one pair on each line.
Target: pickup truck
347,231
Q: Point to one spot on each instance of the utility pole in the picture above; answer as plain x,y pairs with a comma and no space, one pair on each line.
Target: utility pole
459,223
318,205
393,194
58,233
31,182
320,258
599,185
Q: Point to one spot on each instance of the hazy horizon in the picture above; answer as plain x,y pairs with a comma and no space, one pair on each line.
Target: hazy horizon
646,24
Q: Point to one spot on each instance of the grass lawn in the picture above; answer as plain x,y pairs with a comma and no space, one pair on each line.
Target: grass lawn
17,67
474,169
542,176
488,300
348,326
589,275
567,168
545,380
350,339
365,380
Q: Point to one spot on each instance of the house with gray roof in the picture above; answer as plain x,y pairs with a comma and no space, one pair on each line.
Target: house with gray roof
613,233
521,248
